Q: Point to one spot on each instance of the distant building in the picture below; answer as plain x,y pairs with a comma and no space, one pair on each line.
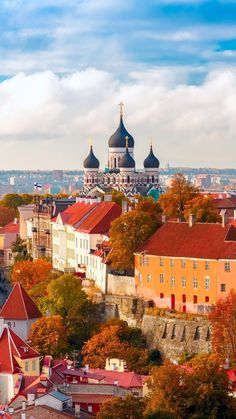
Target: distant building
187,266
57,175
121,173
19,312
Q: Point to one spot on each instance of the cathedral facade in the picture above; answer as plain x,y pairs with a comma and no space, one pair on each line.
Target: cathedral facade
121,173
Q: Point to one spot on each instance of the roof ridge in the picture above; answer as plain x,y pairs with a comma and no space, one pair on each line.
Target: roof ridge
20,287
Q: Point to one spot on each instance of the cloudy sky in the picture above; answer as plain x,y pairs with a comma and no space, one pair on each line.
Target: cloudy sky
66,64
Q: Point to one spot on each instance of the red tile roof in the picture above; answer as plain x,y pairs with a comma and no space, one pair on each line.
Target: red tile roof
127,379
99,221
74,214
202,240
91,398
19,305
12,347
12,227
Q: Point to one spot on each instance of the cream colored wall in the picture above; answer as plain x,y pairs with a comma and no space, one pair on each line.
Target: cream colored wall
29,366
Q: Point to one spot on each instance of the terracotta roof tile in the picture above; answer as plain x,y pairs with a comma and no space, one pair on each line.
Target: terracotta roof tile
12,227
99,221
206,241
19,305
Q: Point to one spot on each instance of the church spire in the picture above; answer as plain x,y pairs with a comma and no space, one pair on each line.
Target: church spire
121,104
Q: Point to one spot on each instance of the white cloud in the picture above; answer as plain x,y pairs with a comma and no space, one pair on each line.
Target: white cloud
45,121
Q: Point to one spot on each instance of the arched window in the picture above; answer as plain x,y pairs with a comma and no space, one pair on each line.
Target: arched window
128,179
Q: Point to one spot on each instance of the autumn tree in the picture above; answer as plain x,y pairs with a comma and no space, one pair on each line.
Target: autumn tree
49,336
204,209
65,297
179,193
107,344
30,273
6,215
19,248
117,196
130,230
122,408
223,320
12,200
197,390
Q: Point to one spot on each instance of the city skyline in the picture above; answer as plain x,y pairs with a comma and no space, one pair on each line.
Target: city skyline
171,62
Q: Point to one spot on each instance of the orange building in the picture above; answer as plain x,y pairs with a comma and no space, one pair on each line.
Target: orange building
187,266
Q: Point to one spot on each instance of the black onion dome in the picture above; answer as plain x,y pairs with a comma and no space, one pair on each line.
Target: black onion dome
127,161
151,162
91,162
117,140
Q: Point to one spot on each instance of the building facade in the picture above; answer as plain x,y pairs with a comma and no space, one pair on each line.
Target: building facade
187,266
121,173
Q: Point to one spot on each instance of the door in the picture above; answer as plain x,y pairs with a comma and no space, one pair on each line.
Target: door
173,301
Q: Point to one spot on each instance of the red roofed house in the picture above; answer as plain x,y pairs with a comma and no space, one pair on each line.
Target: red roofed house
19,311
78,232
187,266
8,235
91,387
17,360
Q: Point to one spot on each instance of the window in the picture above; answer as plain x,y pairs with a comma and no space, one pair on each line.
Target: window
171,263
90,408
161,262
195,299
149,278
206,299
10,256
207,265
184,281
183,298
227,266
34,365
144,260
207,283
194,264
161,295
140,277
195,283
172,281
161,278
183,263
222,287
26,366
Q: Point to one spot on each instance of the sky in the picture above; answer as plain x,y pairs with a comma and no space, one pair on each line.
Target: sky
65,65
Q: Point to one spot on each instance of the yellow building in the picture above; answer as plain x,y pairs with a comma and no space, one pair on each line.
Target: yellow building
187,266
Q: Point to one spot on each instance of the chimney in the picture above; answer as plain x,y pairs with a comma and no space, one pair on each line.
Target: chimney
124,206
86,368
23,405
107,198
192,219
163,219
23,416
224,217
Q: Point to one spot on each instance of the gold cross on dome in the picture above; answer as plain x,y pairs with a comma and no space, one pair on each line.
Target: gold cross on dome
127,141
121,104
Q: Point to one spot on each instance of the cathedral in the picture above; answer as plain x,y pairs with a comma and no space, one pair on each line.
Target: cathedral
121,173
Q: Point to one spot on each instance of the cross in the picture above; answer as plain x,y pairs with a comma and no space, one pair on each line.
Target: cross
127,141
121,104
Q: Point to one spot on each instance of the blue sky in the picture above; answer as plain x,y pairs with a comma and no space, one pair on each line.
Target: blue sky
118,36
140,51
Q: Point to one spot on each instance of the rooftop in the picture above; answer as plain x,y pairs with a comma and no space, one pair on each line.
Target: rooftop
202,240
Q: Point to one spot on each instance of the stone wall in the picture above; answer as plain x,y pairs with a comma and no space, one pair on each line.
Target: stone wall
175,336
126,308
121,285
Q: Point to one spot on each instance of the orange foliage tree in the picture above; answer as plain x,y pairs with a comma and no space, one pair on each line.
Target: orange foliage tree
49,336
223,320
107,344
197,390
204,209
122,407
130,230
30,273
6,215
174,200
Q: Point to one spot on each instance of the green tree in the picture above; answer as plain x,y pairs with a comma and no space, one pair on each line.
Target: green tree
130,230
12,200
122,408
179,193
19,248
